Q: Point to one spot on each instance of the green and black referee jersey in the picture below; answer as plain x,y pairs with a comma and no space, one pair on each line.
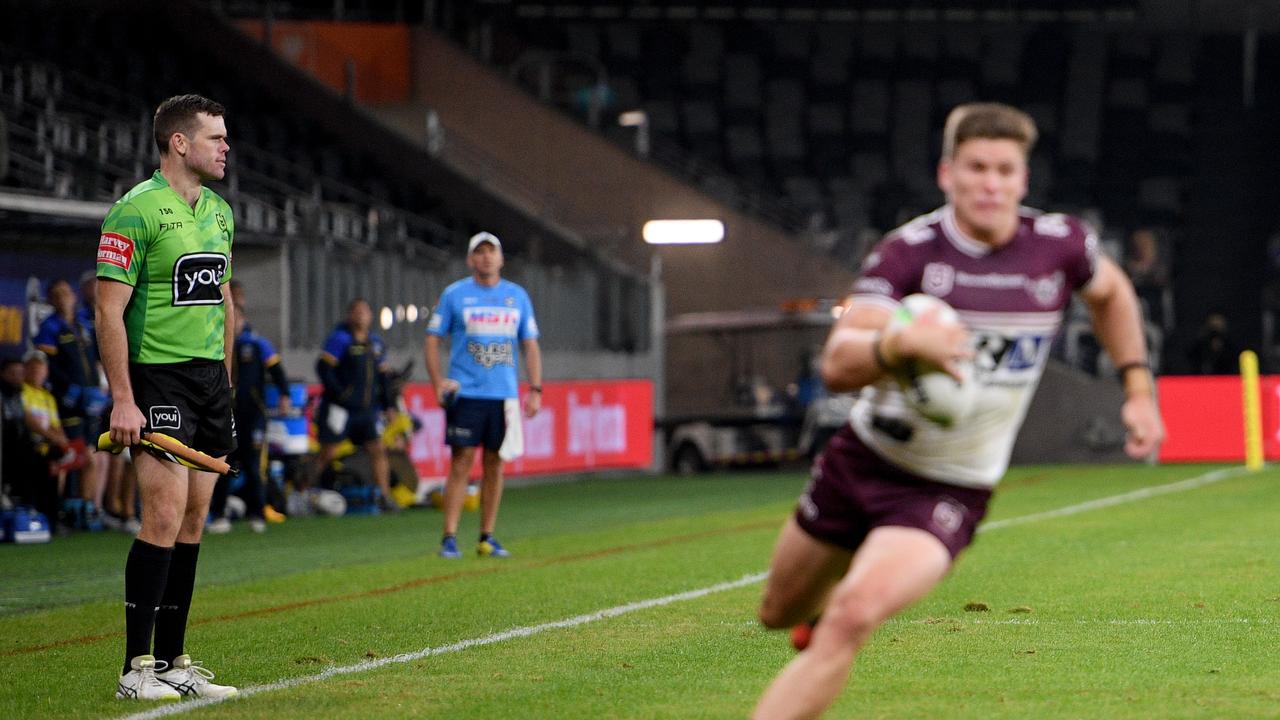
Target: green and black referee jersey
176,258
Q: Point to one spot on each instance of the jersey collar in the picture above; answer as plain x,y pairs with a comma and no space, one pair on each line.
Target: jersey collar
158,178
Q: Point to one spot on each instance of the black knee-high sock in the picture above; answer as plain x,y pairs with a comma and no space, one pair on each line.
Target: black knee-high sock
145,574
171,621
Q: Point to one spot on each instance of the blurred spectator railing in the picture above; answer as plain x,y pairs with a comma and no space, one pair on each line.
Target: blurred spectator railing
73,145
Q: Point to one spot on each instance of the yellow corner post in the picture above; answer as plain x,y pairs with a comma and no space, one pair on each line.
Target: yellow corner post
1252,410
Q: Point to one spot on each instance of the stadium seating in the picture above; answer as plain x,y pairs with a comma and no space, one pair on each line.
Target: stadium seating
77,89
841,121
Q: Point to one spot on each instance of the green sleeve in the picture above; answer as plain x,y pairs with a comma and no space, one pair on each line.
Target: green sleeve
229,233
122,247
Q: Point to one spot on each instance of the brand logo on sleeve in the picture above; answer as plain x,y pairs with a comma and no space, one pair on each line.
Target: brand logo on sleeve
115,249
165,417
197,279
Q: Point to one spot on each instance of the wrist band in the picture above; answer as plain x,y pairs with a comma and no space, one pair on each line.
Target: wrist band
1138,364
1144,385
535,388
875,351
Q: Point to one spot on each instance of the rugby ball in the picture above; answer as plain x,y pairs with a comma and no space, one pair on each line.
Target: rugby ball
933,393
329,502
236,508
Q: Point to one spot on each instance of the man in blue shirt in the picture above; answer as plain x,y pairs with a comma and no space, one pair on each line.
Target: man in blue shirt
256,362
483,316
73,374
357,393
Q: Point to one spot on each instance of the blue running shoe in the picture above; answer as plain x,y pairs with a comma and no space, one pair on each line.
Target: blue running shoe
491,548
449,548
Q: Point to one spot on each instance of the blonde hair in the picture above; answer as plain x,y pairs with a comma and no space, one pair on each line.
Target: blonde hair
989,121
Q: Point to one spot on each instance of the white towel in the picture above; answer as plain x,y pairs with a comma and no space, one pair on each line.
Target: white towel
513,441
337,419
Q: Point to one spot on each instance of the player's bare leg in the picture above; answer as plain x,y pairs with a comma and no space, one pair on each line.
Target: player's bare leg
455,487
328,451
490,490
894,567
97,468
199,494
163,486
381,471
801,575
185,676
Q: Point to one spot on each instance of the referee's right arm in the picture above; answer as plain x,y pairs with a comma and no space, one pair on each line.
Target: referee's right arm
113,346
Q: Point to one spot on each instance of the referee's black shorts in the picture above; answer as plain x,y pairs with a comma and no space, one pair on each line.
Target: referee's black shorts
190,402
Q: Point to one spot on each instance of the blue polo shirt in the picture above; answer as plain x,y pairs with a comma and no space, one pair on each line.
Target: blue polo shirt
485,326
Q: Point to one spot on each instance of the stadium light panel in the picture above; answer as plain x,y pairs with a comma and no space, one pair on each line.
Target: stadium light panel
633,118
385,317
683,232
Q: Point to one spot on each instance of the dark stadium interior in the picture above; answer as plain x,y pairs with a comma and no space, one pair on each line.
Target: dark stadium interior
820,122
675,283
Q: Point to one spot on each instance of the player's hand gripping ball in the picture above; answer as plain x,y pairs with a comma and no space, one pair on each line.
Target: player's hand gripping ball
934,393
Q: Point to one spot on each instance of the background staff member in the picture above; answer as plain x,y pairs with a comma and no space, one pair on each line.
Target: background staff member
358,392
483,316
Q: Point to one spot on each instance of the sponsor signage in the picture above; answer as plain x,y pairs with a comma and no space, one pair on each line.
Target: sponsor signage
583,425
1204,418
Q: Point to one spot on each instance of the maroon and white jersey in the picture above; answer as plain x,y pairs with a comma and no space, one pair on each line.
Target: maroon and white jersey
1012,300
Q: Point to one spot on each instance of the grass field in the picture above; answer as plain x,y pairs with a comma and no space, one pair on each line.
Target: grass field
1160,605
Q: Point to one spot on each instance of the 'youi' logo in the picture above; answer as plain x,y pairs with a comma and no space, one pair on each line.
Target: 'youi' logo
165,416
197,279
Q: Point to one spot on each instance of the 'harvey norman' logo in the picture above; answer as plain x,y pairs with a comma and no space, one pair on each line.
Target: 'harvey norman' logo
115,249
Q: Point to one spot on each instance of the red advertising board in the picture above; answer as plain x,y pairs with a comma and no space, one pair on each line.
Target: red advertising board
583,425
1204,418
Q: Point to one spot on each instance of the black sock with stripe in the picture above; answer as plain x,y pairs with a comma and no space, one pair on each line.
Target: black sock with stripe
145,573
171,621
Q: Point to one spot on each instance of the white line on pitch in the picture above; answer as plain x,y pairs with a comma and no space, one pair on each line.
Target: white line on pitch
520,632
1142,494
1085,621
458,646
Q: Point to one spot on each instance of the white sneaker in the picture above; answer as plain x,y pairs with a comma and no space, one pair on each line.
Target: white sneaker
131,526
221,526
258,525
141,683
192,679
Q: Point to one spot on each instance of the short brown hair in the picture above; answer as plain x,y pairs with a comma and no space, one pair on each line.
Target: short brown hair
989,121
178,114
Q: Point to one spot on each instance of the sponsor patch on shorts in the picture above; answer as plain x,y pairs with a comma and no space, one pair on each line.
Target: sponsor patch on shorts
165,417
948,515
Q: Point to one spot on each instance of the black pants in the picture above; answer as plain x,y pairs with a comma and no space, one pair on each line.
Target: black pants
26,473
250,427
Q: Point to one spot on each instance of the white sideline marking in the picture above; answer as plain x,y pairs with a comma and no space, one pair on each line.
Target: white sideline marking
520,632
1142,494
1085,621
